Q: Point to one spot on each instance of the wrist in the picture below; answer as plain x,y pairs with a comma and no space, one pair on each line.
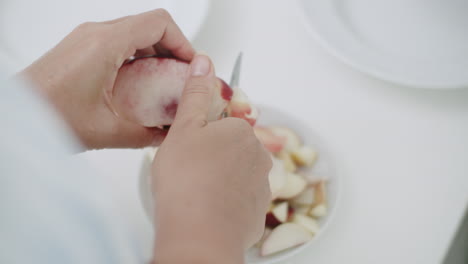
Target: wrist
204,241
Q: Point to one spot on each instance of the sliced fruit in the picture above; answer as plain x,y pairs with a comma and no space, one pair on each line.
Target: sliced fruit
305,198
277,177
294,185
302,209
266,233
271,221
147,91
280,211
313,178
304,156
289,164
241,107
291,211
272,142
283,237
318,211
293,141
319,208
320,191
307,222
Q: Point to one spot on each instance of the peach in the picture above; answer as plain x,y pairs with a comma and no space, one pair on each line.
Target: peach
147,91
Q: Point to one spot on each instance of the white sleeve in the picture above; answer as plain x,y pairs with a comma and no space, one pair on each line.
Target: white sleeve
52,209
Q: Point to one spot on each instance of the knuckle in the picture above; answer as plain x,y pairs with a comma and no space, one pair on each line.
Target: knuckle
163,13
240,124
197,88
94,33
86,26
195,121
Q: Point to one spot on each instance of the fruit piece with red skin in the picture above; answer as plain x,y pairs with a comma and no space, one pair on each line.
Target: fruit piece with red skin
280,211
272,143
226,91
271,221
279,214
147,91
291,211
241,107
293,141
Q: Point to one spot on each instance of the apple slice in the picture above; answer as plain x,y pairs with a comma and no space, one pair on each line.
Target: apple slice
241,107
277,177
272,142
319,208
318,211
320,191
289,164
306,198
313,178
304,156
266,233
294,185
293,141
302,209
147,91
271,221
280,211
283,237
279,214
307,222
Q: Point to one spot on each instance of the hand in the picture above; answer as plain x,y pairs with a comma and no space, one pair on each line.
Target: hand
210,181
77,76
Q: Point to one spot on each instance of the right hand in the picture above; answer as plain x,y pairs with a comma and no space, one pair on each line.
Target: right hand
210,181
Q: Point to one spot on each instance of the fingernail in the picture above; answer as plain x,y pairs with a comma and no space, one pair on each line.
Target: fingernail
200,66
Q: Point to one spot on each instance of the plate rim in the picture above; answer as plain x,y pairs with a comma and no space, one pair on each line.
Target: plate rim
362,67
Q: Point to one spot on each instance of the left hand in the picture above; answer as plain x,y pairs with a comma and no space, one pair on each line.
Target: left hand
78,75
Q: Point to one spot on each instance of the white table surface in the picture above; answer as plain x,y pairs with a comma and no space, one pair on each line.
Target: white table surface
402,152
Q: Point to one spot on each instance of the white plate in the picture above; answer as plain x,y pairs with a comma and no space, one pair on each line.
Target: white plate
323,167
29,28
421,43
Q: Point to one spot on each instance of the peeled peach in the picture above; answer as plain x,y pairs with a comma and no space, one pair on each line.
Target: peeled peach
147,91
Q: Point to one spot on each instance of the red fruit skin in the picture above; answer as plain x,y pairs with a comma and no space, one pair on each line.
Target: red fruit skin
243,111
226,91
147,91
290,213
271,221
272,142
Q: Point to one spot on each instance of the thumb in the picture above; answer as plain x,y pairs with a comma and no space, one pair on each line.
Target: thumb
196,98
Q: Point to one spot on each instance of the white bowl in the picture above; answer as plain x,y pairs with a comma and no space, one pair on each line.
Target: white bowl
323,169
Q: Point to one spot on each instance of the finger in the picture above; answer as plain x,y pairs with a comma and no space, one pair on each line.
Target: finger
145,52
147,29
131,135
198,92
113,21
161,51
